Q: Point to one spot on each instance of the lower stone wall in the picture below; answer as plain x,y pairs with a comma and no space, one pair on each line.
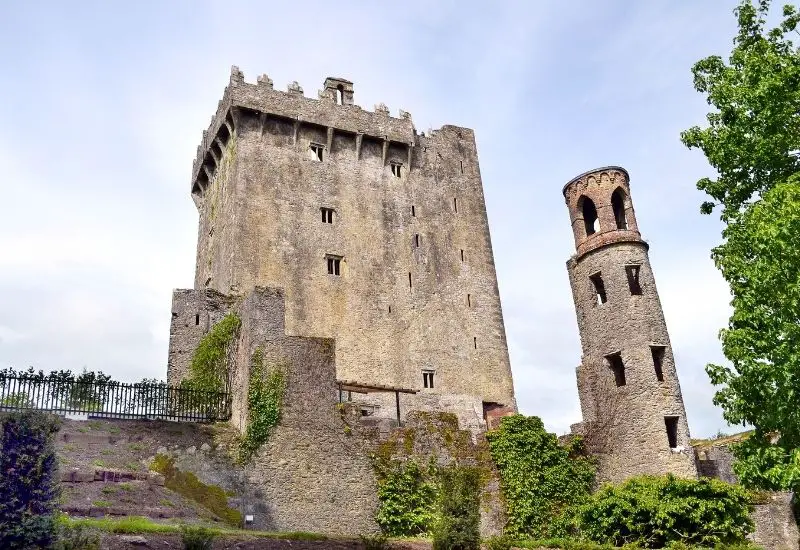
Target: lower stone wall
776,528
775,525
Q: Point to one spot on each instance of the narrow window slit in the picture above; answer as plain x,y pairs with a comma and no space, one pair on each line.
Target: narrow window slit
617,367
658,361
475,342
413,212
469,300
462,254
599,288
455,205
416,240
632,272
197,319
671,423
409,279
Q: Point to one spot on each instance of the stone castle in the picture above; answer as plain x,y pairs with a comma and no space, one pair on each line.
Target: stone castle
356,252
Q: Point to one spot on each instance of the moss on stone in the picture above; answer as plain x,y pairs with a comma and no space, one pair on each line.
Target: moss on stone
211,497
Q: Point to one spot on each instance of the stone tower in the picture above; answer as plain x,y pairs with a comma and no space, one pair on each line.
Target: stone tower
377,234
633,413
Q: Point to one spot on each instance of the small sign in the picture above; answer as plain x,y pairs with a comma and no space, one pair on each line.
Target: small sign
248,519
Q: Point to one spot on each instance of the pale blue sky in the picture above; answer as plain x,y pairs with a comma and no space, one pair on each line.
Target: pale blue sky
103,104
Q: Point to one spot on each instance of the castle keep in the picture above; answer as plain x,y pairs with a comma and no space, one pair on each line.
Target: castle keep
633,412
377,235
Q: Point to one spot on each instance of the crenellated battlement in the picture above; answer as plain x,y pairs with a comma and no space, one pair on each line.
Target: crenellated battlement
333,109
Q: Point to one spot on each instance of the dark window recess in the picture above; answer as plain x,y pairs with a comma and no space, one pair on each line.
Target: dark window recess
390,309
618,205
416,240
211,232
334,265
599,288
590,219
413,212
462,254
397,169
327,215
197,319
317,149
409,279
455,205
671,423
340,94
632,272
475,342
427,379
208,281
658,361
462,166
617,367
469,300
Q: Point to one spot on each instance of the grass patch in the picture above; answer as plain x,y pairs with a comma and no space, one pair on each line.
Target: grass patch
134,525
109,490
69,447
99,463
136,447
126,486
101,504
133,466
108,452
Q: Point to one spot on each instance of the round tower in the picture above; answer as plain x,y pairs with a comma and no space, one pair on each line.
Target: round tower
633,413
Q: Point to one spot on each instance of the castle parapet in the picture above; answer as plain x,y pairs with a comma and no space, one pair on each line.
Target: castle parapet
334,110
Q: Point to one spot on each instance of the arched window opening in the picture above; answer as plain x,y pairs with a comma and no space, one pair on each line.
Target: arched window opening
590,219
340,94
618,205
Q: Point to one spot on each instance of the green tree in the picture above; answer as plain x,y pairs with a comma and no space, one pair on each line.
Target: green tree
29,484
457,526
753,141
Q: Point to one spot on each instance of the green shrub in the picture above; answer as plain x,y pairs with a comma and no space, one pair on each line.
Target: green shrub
458,523
374,542
197,538
503,542
543,482
407,496
76,537
29,484
655,511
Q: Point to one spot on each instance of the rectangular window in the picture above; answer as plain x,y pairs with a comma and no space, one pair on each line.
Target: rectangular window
658,361
427,379
617,367
334,264
316,150
197,319
327,215
416,240
632,271
599,287
397,169
413,211
671,423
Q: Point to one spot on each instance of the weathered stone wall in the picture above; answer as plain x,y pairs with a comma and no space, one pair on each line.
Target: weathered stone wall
715,461
417,287
624,420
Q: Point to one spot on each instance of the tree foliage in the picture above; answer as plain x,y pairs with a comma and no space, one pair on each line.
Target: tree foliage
753,133
753,141
652,512
458,520
542,481
29,484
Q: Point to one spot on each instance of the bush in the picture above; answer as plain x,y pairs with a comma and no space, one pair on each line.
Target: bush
656,511
197,538
543,482
407,495
503,542
374,542
77,537
29,484
458,524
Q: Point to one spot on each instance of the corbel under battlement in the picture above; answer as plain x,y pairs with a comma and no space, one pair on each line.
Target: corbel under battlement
333,109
